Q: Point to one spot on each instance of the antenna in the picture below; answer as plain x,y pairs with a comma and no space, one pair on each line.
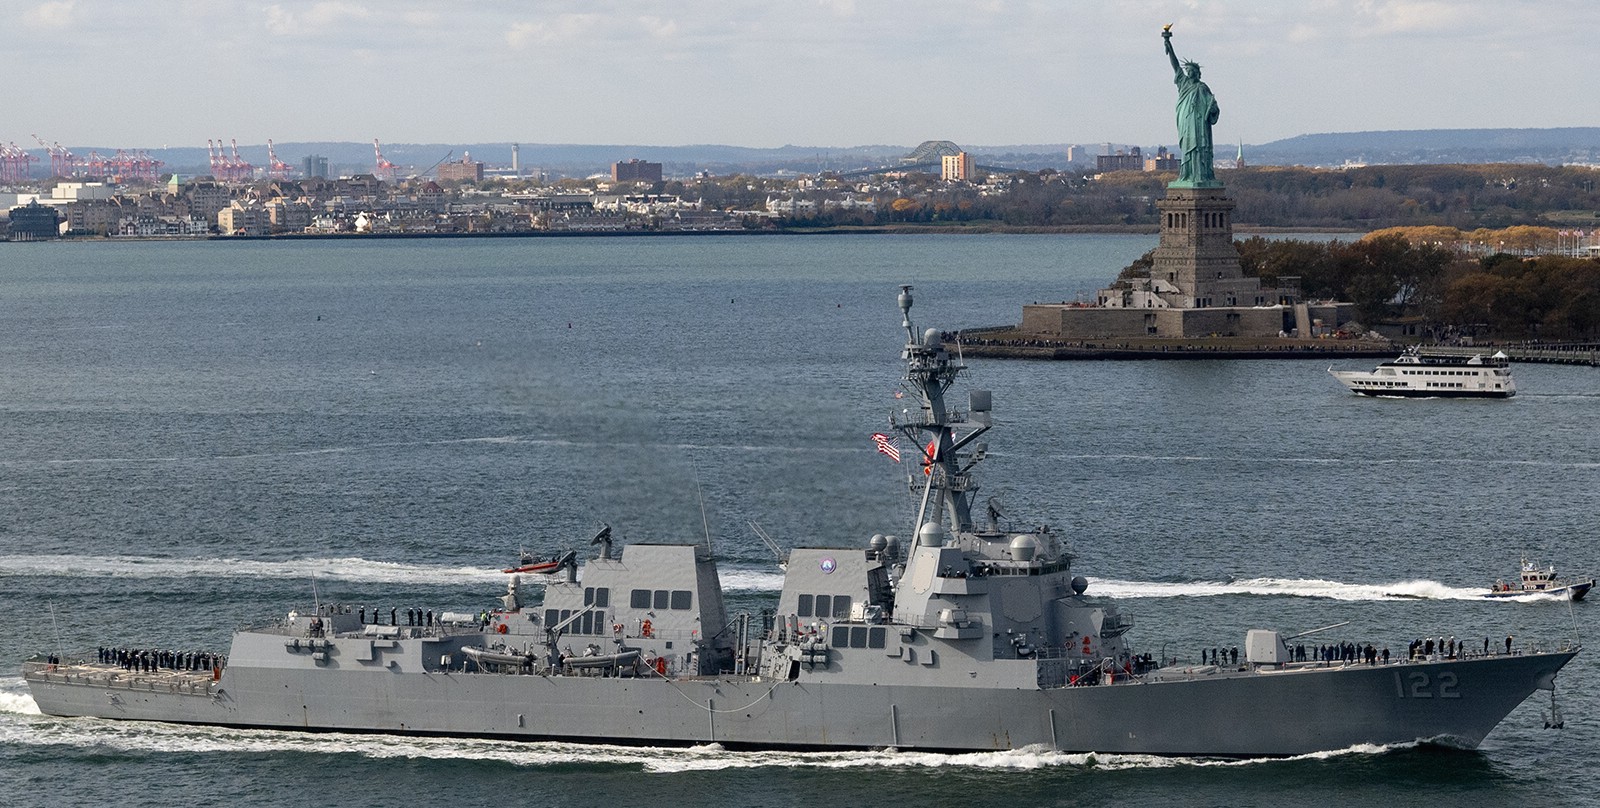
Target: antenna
316,599
1315,630
705,523
57,627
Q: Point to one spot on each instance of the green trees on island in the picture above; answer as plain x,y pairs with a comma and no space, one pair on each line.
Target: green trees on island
1388,275
1452,196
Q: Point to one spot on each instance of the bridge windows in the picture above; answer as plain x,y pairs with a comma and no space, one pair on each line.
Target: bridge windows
679,599
830,606
858,637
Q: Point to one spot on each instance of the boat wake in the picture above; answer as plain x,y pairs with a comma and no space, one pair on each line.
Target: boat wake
1298,587
1343,462
341,569
734,579
345,569
22,725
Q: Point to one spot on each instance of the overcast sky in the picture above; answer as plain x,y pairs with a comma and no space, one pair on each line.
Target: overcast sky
826,73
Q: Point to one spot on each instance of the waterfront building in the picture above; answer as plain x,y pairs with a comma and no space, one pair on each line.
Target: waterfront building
636,170
92,216
203,199
288,216
464,170
956,167
152,226
34,222
1130,160
82,191
431,197
243,218
315,166
1163,161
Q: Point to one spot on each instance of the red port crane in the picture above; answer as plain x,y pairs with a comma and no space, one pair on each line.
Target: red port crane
14,163
384,169
62,162
276,169
219,168
242,171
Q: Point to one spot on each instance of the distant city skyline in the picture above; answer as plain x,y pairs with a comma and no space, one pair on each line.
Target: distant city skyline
831,73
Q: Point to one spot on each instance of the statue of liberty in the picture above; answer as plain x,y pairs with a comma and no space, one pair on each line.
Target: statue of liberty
1197,111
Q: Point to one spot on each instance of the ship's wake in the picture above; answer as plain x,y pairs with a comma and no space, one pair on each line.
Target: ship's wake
734,579
1420,589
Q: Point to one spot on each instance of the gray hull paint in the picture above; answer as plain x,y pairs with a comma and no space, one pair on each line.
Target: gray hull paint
1246,714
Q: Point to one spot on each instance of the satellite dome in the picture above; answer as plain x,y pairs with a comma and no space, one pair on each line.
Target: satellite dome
1079,583
1024,547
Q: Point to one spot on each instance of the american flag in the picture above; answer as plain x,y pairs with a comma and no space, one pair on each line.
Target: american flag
886,446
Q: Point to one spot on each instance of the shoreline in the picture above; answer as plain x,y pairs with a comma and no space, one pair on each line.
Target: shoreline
873,230
1007,343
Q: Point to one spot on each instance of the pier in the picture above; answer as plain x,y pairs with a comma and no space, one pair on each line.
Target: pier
1008,342
1586,353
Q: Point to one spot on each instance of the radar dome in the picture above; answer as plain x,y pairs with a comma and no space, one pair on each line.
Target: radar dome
1024,547
878,542
931,534
930,338
1079,583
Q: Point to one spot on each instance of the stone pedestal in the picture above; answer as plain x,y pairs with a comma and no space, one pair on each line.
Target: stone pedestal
1196,253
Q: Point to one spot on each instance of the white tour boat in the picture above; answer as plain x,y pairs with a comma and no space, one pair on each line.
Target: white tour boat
1415,374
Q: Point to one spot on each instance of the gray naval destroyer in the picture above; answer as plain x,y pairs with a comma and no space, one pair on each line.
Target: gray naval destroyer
965,636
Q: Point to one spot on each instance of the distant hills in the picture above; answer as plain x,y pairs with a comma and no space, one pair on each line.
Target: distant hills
1549,146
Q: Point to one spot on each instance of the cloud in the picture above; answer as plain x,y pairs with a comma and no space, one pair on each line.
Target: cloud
1411,16
313,20
51,15
564,28
658,27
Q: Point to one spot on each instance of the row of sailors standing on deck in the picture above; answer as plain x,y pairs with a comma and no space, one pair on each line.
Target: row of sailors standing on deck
412,616
1345,652
1447,647
149,659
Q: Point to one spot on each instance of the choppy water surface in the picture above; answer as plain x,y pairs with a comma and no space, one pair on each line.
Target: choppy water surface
193,434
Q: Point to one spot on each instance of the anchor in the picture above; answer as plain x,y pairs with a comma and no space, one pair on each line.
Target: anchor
1553,719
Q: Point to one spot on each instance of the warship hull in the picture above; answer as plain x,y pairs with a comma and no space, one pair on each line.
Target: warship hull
1233,713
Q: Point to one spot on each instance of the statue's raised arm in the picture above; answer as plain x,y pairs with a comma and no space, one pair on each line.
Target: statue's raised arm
1166,38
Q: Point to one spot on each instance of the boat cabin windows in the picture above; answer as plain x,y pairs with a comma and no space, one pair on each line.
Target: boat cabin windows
679,599
858,637
823,606
599,596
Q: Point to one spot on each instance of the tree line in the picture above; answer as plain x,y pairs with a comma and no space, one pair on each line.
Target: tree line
1399,274
1366,198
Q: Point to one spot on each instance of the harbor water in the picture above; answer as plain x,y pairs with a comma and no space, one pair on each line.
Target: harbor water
199,436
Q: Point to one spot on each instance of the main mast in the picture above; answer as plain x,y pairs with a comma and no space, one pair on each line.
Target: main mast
930,371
